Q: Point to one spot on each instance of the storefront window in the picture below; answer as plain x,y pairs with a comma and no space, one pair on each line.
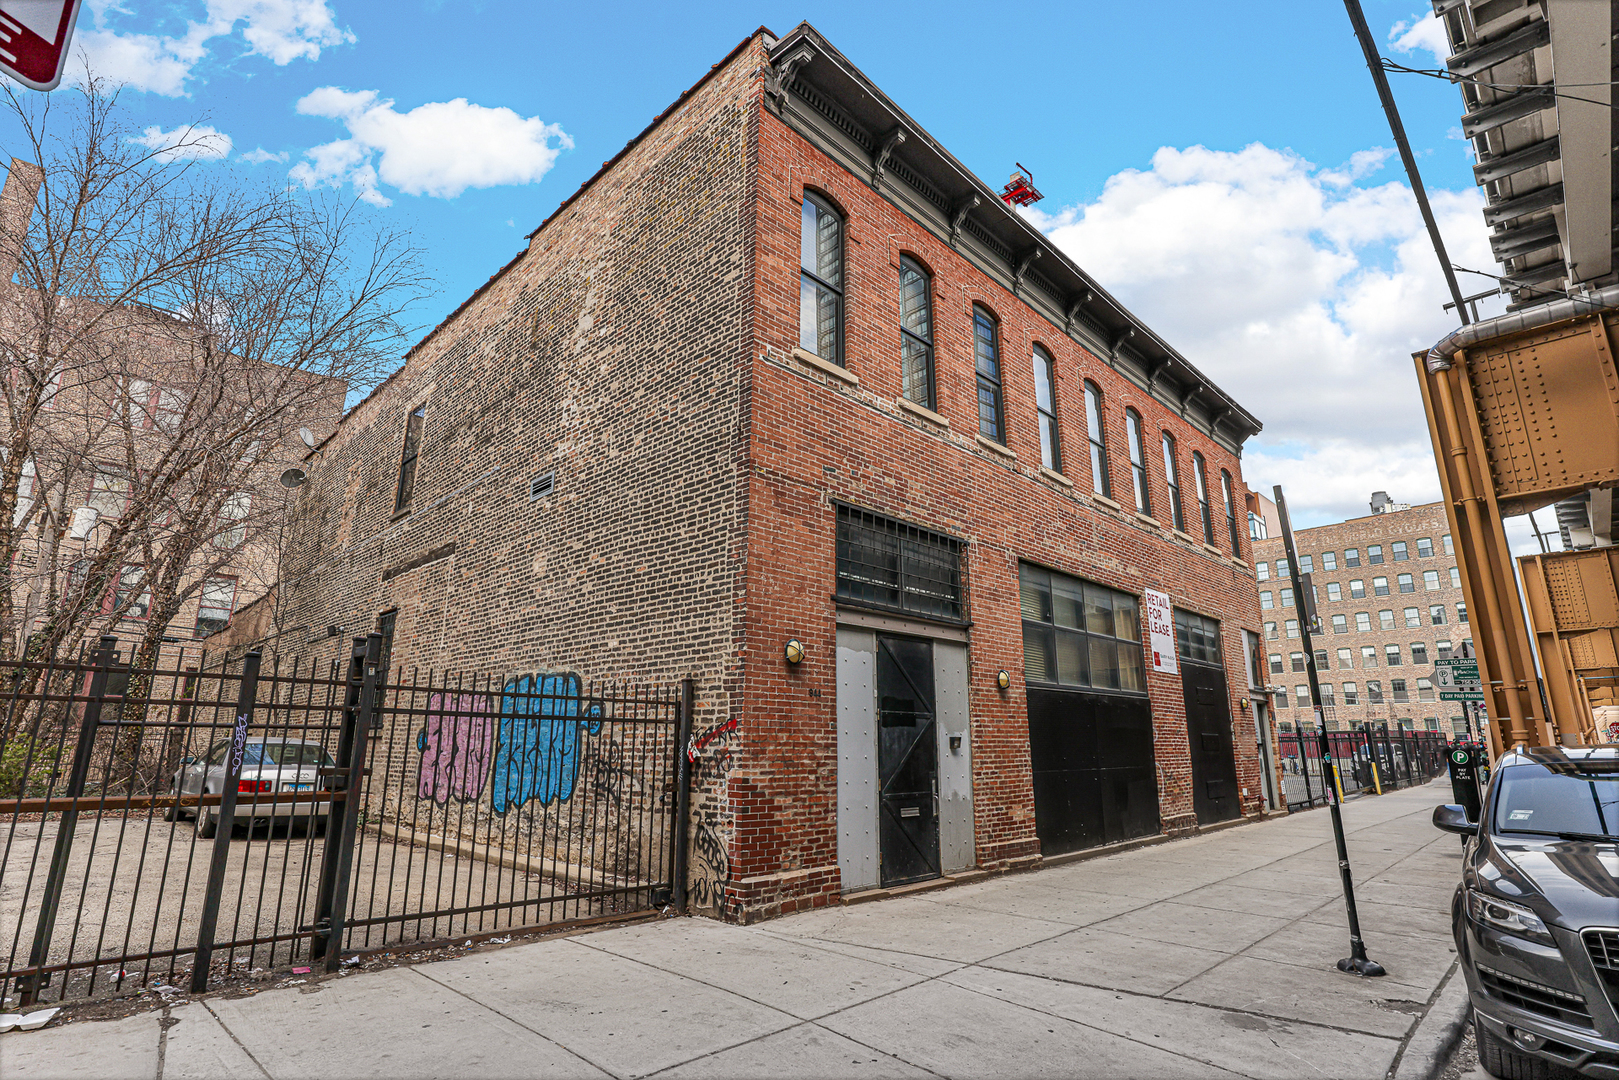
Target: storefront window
1078,633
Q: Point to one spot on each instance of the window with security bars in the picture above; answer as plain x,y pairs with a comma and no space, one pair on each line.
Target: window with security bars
890,564
1078,633
820,285
1198,638
915,334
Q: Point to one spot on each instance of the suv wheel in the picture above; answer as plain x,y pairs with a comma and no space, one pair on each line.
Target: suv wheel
1500,1059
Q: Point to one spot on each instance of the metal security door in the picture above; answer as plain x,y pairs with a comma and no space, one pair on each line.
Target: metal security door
1208,733
907,760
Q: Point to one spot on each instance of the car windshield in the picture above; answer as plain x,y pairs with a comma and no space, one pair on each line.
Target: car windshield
1569,798
284,753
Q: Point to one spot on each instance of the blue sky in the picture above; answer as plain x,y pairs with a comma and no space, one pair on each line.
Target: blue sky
1227,176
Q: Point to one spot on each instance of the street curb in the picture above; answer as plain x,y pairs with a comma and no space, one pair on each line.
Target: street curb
1437,1033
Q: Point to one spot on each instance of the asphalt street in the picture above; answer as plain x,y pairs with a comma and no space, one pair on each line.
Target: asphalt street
1211,956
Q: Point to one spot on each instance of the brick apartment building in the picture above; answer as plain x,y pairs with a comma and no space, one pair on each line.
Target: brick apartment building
1390,600
785,376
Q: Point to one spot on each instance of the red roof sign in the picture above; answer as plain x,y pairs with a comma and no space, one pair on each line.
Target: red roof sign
34,36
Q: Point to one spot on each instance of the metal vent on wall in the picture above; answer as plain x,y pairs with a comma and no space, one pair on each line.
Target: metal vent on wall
541,486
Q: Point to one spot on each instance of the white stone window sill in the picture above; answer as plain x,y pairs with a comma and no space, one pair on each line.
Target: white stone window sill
1105,501
1052,474
991,445
923,411
809,359
1149,519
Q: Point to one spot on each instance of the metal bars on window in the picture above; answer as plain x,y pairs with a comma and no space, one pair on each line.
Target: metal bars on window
890,564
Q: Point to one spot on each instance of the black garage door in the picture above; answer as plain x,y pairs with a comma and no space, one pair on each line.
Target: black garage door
1208,719
1094,776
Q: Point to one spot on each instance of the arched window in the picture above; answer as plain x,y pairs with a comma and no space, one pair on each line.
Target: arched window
1138,461
1172,477
1093,428
1201,479
820,282
1231,512
915,333
987,360
1045,403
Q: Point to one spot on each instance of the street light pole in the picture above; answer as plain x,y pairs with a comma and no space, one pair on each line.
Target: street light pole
1356,963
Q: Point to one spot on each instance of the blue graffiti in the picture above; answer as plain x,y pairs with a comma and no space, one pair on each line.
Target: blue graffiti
541,717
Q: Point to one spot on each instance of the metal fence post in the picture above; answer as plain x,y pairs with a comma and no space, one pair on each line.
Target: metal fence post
360,703
679,842
246,698
101,660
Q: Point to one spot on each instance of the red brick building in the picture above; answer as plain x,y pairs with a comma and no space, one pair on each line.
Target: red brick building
786,400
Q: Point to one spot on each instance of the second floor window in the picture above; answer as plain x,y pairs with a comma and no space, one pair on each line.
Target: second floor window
987,361
1172,479
1201,479
1045,403
1138,465
915,334
820,281
407,458
1095,431
1230,513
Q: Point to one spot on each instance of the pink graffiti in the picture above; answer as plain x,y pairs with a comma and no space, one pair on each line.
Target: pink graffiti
457,742
700,741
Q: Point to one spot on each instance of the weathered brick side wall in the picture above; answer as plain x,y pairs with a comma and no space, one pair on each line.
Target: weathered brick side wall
1427,520
612,354
815,438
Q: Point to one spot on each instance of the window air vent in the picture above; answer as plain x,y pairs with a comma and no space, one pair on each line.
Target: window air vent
541,486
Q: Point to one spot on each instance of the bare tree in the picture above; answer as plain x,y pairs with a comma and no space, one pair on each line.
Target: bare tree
167,334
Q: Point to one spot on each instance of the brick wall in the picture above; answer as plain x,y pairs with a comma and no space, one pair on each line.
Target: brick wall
817,438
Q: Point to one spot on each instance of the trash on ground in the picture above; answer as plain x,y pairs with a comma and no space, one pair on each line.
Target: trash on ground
27,1021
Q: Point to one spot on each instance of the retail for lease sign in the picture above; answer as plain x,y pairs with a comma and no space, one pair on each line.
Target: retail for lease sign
1161,630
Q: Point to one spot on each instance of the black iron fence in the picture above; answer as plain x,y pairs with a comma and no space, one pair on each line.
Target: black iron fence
1367,760
201,822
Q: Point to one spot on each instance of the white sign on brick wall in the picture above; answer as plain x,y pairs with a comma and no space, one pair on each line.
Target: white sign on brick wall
1161,631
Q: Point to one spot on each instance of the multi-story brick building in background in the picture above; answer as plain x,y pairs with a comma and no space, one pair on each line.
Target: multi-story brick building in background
1390,599
785,400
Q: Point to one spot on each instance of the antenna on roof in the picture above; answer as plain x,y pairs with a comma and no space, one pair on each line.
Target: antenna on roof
1020,189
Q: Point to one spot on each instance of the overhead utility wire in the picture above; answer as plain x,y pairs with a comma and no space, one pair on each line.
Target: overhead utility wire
1440,73
1379,77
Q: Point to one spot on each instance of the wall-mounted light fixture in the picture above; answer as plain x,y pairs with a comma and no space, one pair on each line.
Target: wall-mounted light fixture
1243,704
1003,680
793,651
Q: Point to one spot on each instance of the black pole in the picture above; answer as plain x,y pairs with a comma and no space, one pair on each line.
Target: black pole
36,980
356,733
1356,962
246,698
1380,77
678,842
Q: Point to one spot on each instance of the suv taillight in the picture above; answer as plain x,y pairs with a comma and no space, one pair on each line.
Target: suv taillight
252,787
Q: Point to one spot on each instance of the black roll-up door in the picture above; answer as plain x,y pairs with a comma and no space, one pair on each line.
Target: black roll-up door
1095,780
1208,732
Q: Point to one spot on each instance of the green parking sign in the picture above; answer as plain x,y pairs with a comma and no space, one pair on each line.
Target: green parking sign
1458,680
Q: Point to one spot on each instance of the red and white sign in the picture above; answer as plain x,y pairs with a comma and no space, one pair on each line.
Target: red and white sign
34,37
1161,630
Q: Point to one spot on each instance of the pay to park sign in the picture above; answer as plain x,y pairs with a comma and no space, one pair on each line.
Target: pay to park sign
1458,680
1160,630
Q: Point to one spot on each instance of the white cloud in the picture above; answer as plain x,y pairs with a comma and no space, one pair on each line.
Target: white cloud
281,31
1302,293
197,142
1426,33
259,156
439,149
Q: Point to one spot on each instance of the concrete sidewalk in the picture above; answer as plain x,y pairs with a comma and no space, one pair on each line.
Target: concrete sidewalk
1206,957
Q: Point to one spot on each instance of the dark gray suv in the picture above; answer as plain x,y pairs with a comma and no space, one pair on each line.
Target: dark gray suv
1537,914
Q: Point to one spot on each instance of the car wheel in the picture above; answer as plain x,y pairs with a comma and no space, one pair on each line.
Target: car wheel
207,824
1500,1059
173,812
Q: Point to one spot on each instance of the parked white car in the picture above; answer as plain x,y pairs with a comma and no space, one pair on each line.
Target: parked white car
270,765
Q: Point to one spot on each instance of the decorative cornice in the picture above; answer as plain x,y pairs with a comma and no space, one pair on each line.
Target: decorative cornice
780,74
1022,271
959,218
878,168
1072,312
